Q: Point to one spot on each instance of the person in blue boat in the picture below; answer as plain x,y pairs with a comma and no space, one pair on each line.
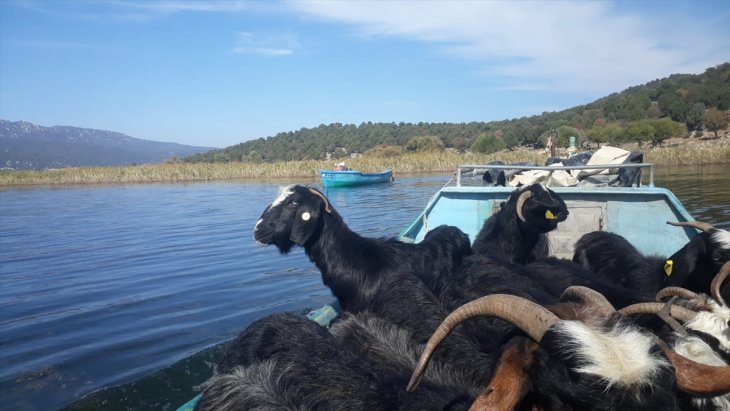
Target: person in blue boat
341,167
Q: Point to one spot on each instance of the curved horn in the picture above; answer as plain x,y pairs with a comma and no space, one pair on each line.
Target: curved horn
717,282
521,203
694,224
589,296
675,291
677,312
699,379
530,317
326,203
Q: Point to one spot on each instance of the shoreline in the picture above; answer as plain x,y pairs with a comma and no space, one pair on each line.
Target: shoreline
675,152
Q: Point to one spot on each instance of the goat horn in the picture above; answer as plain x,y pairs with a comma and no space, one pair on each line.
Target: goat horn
717,282
530,317
675,291
326,203
521,203
589,296
677,312
699,379
695,224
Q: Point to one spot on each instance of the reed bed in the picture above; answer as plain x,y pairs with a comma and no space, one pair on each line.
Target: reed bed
696,154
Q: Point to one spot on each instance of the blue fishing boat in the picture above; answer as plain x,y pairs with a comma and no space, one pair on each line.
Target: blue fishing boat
347,178
638,212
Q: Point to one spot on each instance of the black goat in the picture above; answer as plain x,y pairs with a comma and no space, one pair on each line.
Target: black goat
352,266
516,231
542,281
285,361
374,275
586,358
693,266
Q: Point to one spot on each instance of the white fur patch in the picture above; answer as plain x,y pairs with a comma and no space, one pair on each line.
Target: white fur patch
713,322
721,238
285,192
256,228
697,350
621,356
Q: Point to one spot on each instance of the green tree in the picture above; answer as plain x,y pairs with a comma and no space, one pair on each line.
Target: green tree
695,116
384,151
425,143
488,144
715,120
639,132
254,157
564,134
665,128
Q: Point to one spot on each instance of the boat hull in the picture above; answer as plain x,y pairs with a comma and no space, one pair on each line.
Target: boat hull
353,178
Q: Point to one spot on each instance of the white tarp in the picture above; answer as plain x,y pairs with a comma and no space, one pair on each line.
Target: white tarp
566,178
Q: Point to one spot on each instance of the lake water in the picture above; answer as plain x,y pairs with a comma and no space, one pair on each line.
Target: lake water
101,285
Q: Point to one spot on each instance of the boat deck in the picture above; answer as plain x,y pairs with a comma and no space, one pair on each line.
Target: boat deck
637,213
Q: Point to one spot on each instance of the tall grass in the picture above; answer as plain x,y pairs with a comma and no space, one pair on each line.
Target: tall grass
445,161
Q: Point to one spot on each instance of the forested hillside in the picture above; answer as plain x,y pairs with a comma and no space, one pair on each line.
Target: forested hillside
663,108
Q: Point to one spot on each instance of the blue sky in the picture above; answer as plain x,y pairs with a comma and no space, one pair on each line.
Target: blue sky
216,73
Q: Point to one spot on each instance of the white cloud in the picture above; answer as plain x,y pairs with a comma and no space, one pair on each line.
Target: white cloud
278,44
580,46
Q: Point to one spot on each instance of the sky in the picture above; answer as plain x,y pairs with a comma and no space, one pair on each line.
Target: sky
217,73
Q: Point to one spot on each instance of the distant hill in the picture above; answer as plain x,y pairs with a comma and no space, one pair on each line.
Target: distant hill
668,107
26,146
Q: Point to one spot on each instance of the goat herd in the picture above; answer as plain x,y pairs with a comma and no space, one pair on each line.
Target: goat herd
610,330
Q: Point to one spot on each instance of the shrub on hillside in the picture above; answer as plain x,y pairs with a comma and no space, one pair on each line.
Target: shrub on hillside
384,150
425,143
488,144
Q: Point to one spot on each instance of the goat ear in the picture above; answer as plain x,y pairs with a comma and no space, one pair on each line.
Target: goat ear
304,224
510,381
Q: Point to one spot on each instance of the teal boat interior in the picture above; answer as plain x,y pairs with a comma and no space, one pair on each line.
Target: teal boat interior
639,213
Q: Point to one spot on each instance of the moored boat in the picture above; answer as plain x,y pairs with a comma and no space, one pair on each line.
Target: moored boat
638,212
347,178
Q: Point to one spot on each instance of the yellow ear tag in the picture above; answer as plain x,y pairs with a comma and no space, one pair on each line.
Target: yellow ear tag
305,216
668,267
550,216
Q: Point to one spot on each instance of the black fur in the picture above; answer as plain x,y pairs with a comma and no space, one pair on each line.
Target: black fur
613,258
506,236
286,361
379,276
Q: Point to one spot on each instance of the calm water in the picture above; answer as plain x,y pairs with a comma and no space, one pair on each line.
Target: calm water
102,285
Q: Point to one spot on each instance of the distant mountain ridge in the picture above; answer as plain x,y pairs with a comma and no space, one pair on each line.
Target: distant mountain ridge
27,146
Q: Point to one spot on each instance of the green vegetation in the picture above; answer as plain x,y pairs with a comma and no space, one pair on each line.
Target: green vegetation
406,163
716,120
647,115
651,130
668,107
488,144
